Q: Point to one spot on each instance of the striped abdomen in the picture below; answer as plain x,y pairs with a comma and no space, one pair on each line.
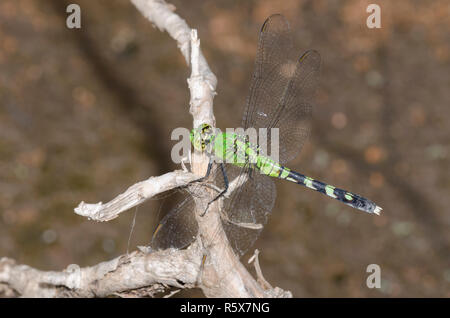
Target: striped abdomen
274,169
349,198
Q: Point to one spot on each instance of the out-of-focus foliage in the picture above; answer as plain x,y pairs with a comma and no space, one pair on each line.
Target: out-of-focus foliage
86,113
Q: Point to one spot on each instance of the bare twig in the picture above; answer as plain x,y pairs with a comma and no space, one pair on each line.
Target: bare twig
134,195
259,274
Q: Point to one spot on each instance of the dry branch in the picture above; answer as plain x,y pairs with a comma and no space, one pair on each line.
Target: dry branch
123,274
134,195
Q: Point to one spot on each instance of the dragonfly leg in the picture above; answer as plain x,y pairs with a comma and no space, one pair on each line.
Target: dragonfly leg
250,174
225,180
208,171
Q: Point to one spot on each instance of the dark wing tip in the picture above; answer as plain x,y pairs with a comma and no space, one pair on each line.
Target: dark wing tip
312,57
276,16
275,21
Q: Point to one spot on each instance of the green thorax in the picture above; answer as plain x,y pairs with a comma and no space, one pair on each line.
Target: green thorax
235,149
232,148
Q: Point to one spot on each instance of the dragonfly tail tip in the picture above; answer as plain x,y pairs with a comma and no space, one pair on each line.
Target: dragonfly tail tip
377,210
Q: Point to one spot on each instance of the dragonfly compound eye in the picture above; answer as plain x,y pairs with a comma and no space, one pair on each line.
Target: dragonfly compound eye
206,129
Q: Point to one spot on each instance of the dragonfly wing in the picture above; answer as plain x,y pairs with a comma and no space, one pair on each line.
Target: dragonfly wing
282,88
178,228
268,83
294,110
245,211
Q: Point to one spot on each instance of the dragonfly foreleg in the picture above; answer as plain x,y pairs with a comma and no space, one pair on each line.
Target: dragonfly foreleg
208,172
250,174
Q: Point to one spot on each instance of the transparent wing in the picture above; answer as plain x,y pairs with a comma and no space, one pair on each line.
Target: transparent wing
268,83
282,88
178,228
246,209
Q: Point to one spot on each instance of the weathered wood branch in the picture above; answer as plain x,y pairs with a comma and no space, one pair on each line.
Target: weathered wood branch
135,195
150,272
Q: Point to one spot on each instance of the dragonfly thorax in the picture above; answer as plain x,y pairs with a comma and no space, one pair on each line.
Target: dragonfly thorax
226,147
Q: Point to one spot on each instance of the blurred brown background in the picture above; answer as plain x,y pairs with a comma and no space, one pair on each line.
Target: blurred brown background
86,113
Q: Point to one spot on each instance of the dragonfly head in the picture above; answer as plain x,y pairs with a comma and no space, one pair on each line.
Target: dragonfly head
201,137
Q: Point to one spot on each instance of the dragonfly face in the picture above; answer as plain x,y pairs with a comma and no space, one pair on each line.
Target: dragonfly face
201,137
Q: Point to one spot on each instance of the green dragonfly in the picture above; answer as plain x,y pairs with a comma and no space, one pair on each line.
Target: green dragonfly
280,99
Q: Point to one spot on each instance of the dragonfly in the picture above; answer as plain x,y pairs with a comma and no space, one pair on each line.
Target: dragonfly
280,99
